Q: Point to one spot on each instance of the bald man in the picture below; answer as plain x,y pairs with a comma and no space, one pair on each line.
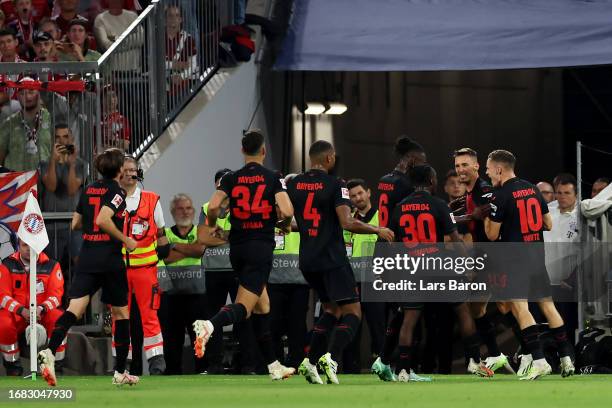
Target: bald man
547,191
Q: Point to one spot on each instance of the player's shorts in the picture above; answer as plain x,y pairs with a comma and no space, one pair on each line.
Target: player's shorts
334,285
109,275
252,261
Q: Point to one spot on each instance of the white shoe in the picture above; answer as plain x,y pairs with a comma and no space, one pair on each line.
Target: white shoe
125,378
280,372
203,330
329,367
539,368
567,367
403,376
479,369
412,376
526,361
309,371
495,363
46,362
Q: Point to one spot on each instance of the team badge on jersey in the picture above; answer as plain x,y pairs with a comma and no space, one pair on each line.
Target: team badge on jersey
345,193
117,200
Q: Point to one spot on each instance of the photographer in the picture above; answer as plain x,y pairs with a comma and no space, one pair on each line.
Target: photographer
76,46
62,176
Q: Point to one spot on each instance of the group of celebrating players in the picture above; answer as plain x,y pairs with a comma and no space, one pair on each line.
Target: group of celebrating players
317,205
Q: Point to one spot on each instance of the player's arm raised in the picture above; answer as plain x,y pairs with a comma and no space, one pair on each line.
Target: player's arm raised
105,222
349,223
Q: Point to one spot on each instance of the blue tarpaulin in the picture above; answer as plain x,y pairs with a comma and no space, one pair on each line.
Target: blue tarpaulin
433,35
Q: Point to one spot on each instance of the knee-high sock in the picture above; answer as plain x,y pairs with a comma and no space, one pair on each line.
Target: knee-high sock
320,336
263,334
62,325
346,329
229,314
531,337
391,337
471,345
510,321
487,333
405,354
122,343
564,346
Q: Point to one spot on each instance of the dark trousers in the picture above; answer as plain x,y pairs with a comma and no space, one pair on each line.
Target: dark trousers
176,315
439,322
288,310
218,286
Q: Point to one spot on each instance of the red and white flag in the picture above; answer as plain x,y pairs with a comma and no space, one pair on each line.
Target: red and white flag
32,230
14,190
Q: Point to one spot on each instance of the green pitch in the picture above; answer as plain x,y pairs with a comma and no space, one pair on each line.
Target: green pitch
457,391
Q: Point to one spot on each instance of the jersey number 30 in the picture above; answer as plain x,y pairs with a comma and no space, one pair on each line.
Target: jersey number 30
422,229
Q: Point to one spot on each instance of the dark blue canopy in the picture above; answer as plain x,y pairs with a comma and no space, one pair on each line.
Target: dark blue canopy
426,35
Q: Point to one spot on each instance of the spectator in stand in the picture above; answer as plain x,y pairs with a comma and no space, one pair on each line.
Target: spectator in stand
547,191
181,54
49,26
25,136
115,127
67,12
40,9
77,47
62,176
8,53
599,185
44,47
131,5
110,24
24,27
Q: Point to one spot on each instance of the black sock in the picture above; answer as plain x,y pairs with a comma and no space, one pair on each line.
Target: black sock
564,347
229,314
487,333
263,334
345,331
471,346
511,322
122,343
62,325
391,337
404,359
531,336
320,333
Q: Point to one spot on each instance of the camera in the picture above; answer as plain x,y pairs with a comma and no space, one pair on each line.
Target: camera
70,149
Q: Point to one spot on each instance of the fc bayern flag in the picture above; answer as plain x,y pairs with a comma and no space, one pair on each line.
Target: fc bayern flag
14,190
32,230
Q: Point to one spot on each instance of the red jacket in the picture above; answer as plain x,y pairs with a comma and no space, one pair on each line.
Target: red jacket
15,283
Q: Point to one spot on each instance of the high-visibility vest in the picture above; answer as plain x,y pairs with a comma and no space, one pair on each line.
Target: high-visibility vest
217,258
361,251
141,226
286,260
184,276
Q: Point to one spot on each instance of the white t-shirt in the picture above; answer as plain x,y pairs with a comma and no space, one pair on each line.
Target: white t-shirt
561,243
131,204
107,27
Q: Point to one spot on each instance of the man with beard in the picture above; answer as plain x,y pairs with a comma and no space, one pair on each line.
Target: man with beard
44,47
25,136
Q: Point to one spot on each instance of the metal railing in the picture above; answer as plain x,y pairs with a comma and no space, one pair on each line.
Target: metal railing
154,69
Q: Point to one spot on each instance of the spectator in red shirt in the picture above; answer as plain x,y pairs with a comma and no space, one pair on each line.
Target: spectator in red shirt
115,127
24,26
40,9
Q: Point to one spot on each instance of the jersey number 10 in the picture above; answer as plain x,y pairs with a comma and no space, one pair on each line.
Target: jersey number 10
530,214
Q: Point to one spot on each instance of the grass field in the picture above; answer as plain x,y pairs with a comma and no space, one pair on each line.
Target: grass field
456,391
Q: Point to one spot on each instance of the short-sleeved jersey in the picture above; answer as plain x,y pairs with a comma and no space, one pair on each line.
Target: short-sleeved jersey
252,202
421,218
98,194
392,188
519,206
480,195
315,196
